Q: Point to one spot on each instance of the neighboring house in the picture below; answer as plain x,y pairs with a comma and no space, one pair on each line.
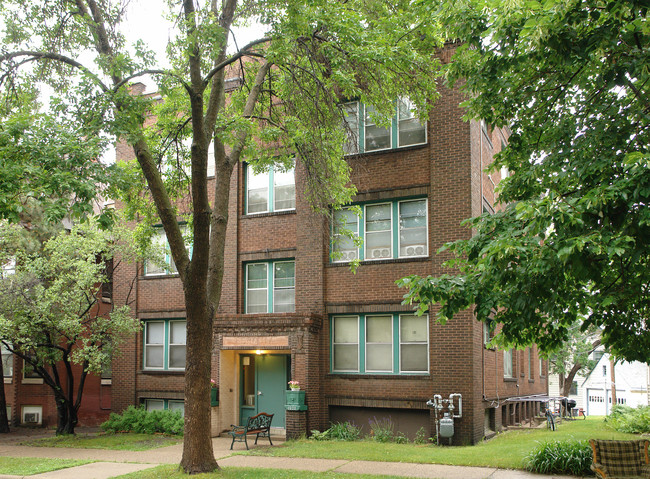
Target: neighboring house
290,312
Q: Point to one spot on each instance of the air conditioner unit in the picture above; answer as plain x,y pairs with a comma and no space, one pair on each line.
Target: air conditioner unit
419,250
350,255
31,418
379,253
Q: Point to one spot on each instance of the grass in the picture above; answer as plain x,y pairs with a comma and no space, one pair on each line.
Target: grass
26,466
119,442
173,472
507,450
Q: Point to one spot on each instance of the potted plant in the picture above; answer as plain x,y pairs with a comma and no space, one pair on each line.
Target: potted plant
294,385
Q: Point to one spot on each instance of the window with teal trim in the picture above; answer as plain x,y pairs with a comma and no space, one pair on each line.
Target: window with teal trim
364,135
164,345
271,287
165,264
396,229
165,405
270,191
380,344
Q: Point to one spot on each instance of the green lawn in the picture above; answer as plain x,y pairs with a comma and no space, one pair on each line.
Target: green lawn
507,450
172,472
120,442
26,466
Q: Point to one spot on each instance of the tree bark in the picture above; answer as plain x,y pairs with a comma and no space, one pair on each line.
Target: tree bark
612,376
4,421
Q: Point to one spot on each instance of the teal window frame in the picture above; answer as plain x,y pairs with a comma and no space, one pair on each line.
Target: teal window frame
271,287
270,191
169,267
166,345
357,140
508,364
165,404
362,345
395,234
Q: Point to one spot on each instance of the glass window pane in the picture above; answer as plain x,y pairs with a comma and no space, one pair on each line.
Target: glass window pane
413,228
348,220
258,200
284,301
346,330
377,138
378,231
177,356
378,217
379,329
284,198
410,130
257,275
155,333
157,265
346,357
176,406
153,357
351,112
256,301
154,404
379,357
284,274
177,331
414,357
413,328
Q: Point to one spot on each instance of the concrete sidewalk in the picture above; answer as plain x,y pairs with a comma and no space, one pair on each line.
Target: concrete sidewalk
116,463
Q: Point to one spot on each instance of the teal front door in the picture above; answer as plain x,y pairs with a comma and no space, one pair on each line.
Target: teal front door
264,381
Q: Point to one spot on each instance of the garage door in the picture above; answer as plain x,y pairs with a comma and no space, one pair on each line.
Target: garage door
596,402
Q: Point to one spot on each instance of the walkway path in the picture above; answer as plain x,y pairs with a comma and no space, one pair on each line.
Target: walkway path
115,463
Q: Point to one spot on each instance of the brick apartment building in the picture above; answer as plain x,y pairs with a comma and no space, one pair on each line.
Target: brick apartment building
291,312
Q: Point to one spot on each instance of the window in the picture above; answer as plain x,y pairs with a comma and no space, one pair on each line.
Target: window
380,344
604,370
280,296
573,390
366,136
270,191
530,363
7,362
165,404
507,364
8,268
159,243
390,230
164,345
541,367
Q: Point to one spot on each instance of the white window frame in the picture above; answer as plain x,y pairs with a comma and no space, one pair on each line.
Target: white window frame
270,187
426,132
426,228
169,268
357,370
166,323
401,342
508,359
367,343
270,283
34,379
365,231
7,358
335,242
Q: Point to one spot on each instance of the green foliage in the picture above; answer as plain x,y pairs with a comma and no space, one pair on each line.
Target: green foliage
421,436
340,431
570,81
138,420
382,430
630,420
561,457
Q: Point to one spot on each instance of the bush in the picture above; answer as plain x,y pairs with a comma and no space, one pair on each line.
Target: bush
628,419
421,436
561,457
340,431
138,420
381,430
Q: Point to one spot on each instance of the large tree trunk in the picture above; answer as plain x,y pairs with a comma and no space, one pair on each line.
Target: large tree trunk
568,380
612,376
4,421
198,455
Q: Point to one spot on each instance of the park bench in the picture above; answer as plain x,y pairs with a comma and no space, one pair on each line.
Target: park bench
260,425
620,459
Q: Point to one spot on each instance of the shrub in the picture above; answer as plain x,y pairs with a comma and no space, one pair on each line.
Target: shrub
381,430
138,420
628,419
400,438
421,436
561,457
344,431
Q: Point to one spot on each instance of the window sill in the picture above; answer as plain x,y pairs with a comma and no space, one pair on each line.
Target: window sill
510,380
162,372
9,380
106,382
268,213
399,376
159,276
32,381
397,149
531,381
382,261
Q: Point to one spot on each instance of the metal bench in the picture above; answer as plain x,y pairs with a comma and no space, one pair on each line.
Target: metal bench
260,425
620,459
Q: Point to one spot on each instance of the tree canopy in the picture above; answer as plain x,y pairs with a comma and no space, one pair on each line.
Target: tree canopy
271,100
51,309
571,239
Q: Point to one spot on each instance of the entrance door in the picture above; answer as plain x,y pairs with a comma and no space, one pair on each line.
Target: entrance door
264,381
